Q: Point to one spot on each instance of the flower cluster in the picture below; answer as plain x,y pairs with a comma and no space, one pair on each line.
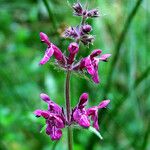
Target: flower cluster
89,63
81,33
80,11
56,119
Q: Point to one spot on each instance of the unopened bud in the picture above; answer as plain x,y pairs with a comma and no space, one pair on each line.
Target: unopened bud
93,13
86,28
73,48
77,9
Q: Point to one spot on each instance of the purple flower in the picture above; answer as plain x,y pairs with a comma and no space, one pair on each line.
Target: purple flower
51,50
79,113
73,50
78,9
72,32
93,112
82,116
54,116
90,63
93,13
86,28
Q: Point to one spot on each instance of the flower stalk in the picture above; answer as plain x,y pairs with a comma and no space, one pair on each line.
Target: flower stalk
68,110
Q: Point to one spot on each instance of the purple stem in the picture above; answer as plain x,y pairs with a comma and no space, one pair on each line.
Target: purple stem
68,108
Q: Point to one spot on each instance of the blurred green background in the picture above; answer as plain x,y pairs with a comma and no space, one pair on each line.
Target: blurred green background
122,30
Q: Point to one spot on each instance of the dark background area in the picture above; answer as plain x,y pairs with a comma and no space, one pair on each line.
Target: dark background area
122,30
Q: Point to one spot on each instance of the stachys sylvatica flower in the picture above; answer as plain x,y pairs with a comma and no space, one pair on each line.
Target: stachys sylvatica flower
54,117
89,63
57,117
82,115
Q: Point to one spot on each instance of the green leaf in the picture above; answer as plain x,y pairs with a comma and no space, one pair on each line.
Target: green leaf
92,129
43,128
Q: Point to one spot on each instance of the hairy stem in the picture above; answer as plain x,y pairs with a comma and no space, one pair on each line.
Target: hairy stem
68,109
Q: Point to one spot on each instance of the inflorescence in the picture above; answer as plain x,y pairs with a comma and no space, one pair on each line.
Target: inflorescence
55,116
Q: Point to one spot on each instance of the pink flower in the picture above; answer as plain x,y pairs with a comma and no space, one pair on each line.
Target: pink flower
93,112
73,50
82,116
79,113
51,50
90,63
54,116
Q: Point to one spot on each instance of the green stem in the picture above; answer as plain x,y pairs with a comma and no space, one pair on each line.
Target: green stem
68,109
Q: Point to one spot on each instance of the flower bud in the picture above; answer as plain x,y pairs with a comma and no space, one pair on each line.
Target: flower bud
105,57
87,39
71,33
93,13
73,48
95,53
86,28
44,97
44,38
77,9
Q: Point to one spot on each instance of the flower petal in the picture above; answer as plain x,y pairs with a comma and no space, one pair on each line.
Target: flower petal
52,107
45,97
73,49
93,112
48,53
58,54
38,112
103,104
95,77
84,121
43,113
95,53
54,132
89,66
83,100
44,38
105,57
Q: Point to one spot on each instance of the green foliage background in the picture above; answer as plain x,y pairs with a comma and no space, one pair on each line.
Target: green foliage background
125,80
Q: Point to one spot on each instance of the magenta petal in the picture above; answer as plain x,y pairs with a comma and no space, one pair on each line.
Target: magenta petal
95,77
53,132
73,48
58,54
95,122
44,38
38,112
59,122
92,111
105,57
48,53
42,113
81,118
84,121
45,114
95,53
44,97
103,104
83,100
89,66
56,133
